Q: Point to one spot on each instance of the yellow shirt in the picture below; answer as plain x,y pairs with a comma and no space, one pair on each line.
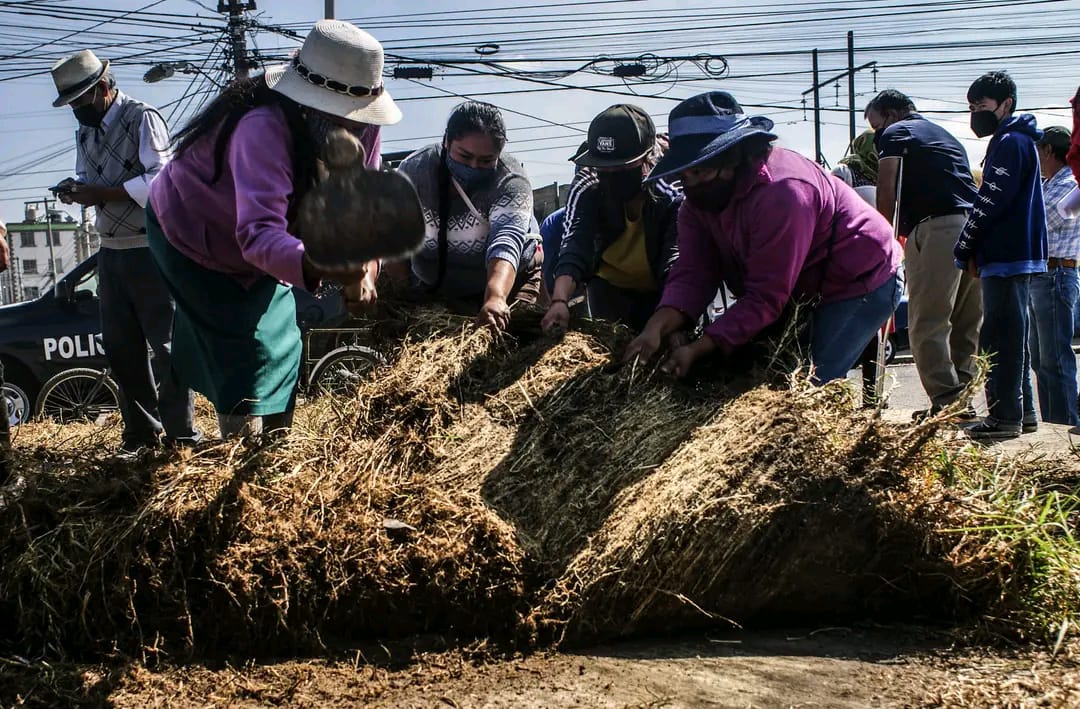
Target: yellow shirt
625,264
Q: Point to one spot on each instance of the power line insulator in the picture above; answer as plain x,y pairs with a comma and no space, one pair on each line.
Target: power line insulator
627,70
414,72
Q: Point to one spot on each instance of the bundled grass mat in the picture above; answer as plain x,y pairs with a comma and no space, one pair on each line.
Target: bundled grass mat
518,489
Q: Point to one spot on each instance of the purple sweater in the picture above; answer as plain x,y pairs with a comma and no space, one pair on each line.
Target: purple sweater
238,225
770,244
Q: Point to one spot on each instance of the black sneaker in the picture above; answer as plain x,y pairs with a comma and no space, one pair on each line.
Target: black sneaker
965,415
1029,426
131,450
991,431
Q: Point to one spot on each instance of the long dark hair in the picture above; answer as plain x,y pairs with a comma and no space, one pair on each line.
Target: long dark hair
218,121
476,117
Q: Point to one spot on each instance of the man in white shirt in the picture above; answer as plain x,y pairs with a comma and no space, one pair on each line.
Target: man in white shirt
122,144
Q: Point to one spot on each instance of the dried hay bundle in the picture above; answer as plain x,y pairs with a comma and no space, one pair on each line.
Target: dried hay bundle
785,504
544,489
258,549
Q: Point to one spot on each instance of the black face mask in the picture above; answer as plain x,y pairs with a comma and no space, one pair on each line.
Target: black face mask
984,123
711,196
621,186
88,114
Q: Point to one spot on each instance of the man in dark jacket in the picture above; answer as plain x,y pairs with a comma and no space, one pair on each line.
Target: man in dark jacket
1003,243
619,237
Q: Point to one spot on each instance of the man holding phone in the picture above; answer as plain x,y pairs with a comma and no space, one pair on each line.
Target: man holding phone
121,145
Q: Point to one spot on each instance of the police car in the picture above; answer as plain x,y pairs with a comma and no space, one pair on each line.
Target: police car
62,330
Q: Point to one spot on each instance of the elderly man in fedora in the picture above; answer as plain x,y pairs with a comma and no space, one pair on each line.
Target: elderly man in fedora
121,145
775,228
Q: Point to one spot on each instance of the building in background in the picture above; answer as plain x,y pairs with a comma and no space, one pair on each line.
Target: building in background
36,264
547,199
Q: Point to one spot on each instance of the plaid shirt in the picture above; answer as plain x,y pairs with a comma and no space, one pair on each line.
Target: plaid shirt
1063,235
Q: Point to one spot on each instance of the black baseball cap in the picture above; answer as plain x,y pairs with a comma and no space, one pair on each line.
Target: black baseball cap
620,135
1056,137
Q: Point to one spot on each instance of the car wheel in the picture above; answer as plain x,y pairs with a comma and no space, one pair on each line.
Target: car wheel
890,349
15,403
19,384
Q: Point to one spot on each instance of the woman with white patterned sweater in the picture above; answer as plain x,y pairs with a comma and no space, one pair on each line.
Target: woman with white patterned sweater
479,250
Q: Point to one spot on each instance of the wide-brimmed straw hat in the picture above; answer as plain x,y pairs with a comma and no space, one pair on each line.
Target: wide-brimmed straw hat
338,71
76,74
702,127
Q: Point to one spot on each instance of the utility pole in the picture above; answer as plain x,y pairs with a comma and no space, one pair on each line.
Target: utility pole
817,113
238,41
851,84
48,235
329,9
820,83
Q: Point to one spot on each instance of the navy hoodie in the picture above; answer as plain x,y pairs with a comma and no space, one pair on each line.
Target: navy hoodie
1006,230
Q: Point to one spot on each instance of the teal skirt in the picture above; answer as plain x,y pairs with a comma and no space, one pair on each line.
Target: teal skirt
239,347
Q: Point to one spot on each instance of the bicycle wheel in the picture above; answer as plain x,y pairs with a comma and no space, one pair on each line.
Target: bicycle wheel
77,395
340,371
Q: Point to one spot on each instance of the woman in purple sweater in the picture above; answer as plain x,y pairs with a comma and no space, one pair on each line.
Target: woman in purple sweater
221,214
775,228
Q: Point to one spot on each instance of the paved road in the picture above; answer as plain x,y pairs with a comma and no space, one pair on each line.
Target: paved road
906,396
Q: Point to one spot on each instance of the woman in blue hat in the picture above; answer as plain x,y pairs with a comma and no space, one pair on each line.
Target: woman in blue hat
776,229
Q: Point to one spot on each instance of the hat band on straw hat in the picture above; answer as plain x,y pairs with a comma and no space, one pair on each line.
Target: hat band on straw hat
336,86
706,125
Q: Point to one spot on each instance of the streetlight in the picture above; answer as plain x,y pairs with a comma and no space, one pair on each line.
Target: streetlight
166,70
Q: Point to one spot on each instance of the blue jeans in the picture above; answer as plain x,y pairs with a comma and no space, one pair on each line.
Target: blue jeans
551,244
1054,296
841,330
1004,337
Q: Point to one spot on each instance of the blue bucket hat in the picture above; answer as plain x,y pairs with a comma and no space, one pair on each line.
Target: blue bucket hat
702,127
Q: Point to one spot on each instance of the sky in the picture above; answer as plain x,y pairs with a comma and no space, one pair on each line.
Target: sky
551,70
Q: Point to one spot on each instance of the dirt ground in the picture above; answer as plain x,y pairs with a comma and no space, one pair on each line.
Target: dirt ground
826,667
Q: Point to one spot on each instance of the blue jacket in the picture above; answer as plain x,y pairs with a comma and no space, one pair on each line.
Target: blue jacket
1006,230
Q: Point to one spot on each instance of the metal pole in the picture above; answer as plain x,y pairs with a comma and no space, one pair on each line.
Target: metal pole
11,267
817,112
237,38
49,236
851,82
329,9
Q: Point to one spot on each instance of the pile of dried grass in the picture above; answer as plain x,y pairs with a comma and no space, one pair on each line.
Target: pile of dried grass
547,496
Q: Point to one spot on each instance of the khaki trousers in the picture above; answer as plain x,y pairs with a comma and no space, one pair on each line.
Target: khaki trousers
944,310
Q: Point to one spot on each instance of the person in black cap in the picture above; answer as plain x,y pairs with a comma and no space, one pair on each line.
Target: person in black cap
619,236
774,228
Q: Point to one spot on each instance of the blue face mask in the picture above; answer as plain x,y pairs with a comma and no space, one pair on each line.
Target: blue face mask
469,177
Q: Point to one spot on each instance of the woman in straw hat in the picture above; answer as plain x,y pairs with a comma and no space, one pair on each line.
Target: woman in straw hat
775,228
480,250
220,216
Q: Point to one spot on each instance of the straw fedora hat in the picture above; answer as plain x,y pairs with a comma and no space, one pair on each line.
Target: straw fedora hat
76,74
338,71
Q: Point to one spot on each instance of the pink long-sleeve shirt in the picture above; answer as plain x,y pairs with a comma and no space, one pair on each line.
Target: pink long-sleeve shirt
238,225
770,243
